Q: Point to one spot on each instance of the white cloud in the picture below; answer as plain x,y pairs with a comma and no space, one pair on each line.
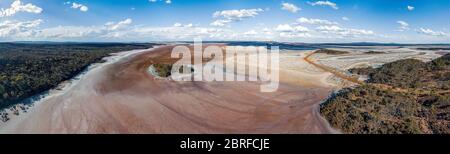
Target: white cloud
81,7
267,31
251,32
181,25
430,32
329,28
288,31
64,32
324,3
126,31
18,6
18,29
84,8
108,30
220,22
343,31
177,25
345,18
184,33
290,7
237,14
123,30
165,1
228,16
119,25
410,8
284,28
289,28
294,35
403,26
304,20
301,29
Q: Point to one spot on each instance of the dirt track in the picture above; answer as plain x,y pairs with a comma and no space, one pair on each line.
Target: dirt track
331,70
123,98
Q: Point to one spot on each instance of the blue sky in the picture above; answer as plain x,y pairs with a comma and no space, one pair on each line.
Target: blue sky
311,21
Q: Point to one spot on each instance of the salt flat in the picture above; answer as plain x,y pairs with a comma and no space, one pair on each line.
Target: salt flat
121,97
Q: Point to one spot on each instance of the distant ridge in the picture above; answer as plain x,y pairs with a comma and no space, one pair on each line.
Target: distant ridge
290,45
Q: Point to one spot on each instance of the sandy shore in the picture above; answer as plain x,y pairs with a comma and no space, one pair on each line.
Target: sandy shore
122,97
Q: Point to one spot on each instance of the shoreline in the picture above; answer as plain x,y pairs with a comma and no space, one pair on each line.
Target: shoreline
33,101
408,54
124,98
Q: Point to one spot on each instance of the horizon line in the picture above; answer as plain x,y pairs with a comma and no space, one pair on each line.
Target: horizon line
216,41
